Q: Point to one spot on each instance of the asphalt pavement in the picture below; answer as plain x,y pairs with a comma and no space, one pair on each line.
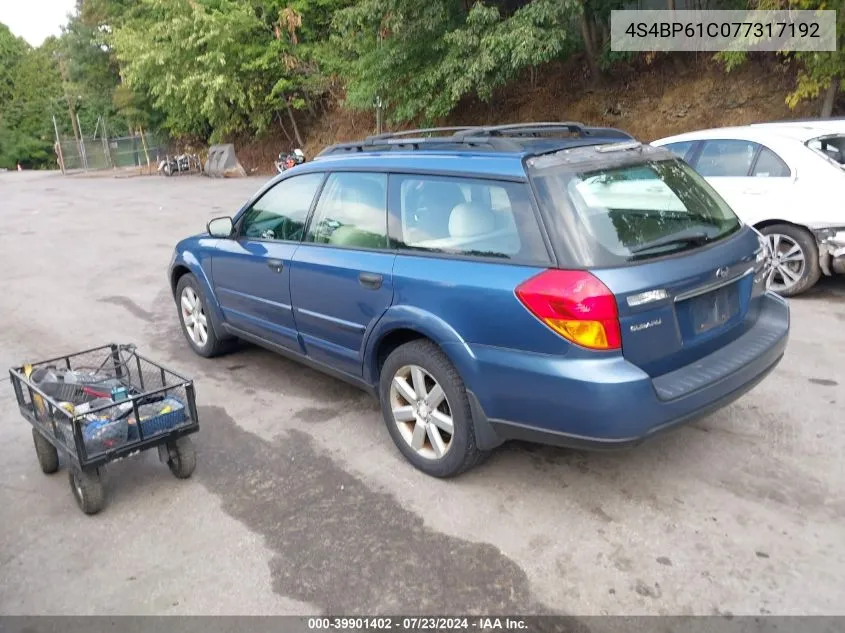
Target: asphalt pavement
302,505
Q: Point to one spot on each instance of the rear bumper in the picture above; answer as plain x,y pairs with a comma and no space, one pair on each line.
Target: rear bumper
609,403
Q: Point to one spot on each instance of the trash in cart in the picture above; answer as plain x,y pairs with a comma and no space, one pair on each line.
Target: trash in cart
105,404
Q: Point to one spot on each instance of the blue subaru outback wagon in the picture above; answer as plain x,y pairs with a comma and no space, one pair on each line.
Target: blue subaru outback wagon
549,282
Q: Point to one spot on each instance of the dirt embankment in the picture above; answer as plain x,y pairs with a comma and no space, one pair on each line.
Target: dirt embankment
651,99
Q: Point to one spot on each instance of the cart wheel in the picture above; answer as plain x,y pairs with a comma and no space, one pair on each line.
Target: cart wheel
48,456
182,457
88,490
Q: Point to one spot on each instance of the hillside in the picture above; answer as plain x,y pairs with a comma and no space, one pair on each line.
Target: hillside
650,100
213,71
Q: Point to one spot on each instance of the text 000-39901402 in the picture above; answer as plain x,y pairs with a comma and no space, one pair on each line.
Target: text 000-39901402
416,623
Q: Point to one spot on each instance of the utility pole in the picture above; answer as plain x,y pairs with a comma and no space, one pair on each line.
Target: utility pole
106,149
378,101
74,122
82,144
59,146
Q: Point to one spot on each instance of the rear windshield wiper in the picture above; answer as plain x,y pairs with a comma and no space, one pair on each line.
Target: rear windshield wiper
694,239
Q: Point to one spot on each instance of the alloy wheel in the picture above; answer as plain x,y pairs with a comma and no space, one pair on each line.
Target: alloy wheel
421,412
193,315
788,263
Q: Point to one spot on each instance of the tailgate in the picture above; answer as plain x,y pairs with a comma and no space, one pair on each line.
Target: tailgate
674,311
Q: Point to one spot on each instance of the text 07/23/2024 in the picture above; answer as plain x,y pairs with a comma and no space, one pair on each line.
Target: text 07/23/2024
418,623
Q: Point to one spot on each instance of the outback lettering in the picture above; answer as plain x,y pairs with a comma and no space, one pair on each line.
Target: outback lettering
644,326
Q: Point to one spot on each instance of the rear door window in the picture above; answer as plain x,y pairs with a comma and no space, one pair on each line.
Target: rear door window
681,149
769,165
726,158
465,217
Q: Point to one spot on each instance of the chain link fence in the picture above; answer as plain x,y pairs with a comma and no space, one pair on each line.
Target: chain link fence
142,151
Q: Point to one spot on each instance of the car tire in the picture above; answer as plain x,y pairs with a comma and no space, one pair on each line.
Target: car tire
422,437
785,238
199,326
48,456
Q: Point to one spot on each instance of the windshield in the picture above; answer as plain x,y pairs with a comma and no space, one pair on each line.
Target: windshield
833,147
618,215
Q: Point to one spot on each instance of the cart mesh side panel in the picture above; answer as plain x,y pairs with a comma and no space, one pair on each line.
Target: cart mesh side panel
104,400
51,420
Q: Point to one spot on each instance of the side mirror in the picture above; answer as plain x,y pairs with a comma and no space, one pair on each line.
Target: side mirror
221,227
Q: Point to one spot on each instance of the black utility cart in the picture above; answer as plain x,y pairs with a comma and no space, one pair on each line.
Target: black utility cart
101,405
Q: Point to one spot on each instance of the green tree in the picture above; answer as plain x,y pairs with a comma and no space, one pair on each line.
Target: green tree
213,67
820,73
12,50
95,69
91,74
423,57
390,50
490,51
26,127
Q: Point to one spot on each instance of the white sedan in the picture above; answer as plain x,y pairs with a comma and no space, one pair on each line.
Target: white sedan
788,181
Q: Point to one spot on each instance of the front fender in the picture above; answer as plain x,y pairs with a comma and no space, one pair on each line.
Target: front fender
405,317
188,259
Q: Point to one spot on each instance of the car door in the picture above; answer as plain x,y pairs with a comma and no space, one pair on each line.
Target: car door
754,180
342,274
251,272
772,187
726,164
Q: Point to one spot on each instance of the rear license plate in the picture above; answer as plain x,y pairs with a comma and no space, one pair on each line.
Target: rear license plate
714,309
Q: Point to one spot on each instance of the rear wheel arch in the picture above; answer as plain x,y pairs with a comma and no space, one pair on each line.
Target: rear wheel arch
767,223
402,324
390,341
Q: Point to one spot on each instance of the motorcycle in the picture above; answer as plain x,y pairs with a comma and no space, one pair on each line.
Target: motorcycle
286,161
179,164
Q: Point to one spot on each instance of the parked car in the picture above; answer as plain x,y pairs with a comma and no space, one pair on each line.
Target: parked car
545,282
788,181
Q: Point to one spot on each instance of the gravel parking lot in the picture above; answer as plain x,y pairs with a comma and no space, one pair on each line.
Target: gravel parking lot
301,504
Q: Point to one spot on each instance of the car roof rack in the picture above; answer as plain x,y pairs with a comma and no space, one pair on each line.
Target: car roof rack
543,129
510,137
422,131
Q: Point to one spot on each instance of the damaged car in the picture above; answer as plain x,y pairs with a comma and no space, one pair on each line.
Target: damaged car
788,181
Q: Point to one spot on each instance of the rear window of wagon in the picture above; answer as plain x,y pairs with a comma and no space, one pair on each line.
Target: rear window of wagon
623,214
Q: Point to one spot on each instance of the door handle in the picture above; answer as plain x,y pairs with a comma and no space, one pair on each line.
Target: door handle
276,265
370,280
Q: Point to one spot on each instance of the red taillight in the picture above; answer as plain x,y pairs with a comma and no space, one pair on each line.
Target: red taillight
576,305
